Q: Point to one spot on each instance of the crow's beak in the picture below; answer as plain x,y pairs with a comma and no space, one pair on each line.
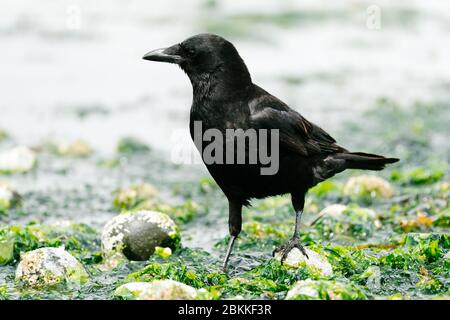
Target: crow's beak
169,55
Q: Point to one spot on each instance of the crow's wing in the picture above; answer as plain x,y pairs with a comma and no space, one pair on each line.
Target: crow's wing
296,134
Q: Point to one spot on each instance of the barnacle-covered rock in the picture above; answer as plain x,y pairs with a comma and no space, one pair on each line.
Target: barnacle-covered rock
315,261
324,290
17,160
48,267
130,198
135,235
9,198
368,186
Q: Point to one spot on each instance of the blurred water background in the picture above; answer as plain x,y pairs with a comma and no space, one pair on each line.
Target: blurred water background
73,68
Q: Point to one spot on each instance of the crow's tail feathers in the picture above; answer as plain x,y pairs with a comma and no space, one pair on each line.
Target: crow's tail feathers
367,161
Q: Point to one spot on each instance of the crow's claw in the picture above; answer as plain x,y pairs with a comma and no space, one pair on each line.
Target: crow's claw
288,246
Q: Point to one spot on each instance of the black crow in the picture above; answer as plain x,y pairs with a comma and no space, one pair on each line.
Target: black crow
224,97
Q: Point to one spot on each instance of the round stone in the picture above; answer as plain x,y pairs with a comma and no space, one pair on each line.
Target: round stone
9,198
135,235
48,267
168,290
366,185
17,160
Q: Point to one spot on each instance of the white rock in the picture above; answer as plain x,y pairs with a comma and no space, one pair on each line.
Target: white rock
338,210
17,160
368,185
5,192
168,290
8,197
49,266
295,259
303,287
135,235
334,210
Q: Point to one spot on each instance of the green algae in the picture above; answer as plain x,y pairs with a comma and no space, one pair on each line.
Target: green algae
355,222
419,175
145,197
139,197
79,239
131,145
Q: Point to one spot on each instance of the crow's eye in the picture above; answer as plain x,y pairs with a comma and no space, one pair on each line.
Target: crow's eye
189,51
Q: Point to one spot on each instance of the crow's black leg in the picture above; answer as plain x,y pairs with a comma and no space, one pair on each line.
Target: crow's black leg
227,256
298,201
235,226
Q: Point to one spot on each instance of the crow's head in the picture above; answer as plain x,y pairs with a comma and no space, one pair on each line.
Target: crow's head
204,54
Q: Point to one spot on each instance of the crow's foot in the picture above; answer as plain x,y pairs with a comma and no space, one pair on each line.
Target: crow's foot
285,248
